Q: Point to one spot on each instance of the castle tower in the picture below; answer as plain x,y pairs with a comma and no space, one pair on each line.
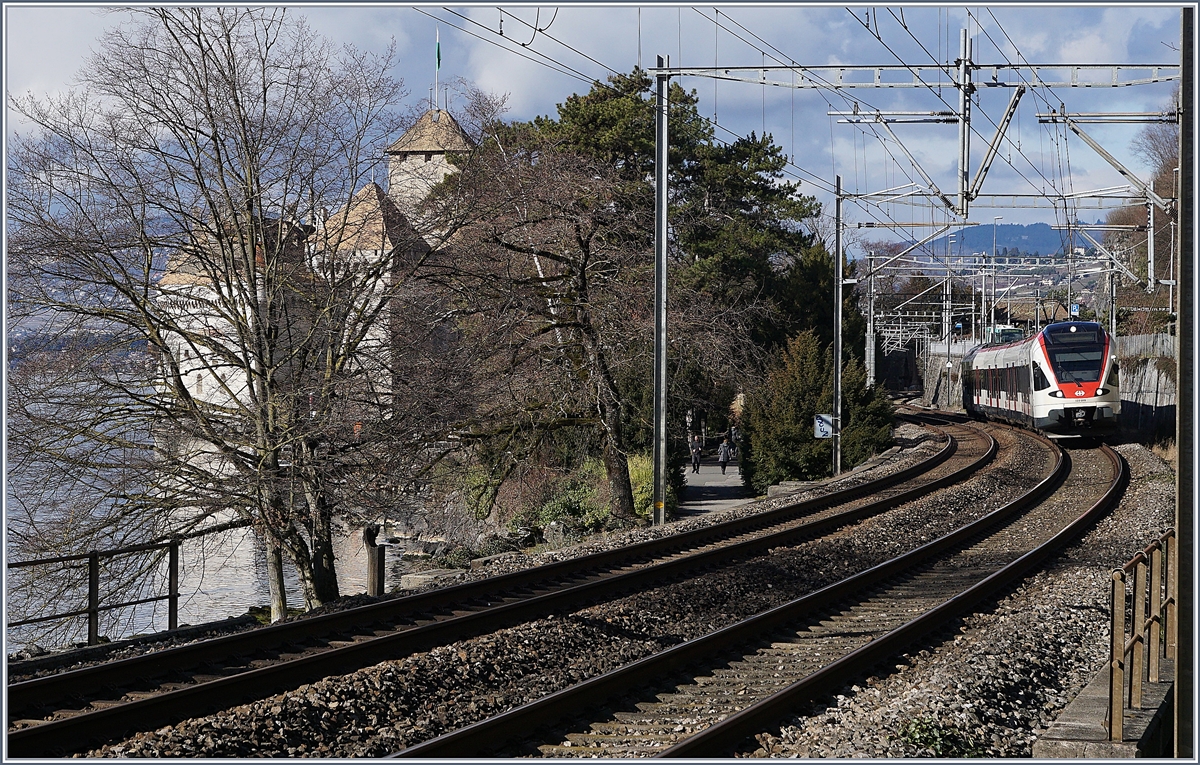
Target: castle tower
417,161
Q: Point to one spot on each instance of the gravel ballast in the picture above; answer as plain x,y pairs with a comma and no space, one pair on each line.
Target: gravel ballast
383,708
991,689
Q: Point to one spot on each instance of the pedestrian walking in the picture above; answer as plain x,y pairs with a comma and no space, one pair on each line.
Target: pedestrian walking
724,452
696,447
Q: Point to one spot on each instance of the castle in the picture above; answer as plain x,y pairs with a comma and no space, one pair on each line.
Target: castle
210,292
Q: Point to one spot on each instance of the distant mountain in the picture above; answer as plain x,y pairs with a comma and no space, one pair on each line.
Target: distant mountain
1028,239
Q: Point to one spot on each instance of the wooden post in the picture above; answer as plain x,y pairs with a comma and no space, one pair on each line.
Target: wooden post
1155,637
173,587
93,598
375,569
1137,663
375,559
1116,667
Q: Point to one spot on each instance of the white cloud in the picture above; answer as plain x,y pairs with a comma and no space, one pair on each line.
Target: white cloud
46,45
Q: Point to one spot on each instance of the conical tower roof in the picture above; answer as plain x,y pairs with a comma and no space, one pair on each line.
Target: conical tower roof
371,221
435,131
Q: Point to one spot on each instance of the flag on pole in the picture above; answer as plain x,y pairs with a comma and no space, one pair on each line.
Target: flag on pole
438,47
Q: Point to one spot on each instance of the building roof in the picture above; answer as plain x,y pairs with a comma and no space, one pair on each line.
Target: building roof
371,221
191,266
435,131
183,269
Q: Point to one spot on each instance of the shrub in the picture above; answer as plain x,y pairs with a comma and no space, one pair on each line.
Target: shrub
778,419
940,740
641,475
459,557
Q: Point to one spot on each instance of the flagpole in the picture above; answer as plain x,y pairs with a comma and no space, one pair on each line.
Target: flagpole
437,32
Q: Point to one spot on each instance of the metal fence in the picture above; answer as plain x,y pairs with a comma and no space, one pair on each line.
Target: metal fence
94,606
1137,659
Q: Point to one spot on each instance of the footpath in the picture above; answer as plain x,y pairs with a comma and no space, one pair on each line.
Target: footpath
708,491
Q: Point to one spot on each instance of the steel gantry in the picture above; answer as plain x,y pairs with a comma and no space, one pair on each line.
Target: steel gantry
966,77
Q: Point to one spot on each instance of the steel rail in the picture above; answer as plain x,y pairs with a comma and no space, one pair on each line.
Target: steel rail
27,695
757,716
482,738
219,693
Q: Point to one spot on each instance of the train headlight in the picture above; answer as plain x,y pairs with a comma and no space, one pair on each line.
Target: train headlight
1101,391
1056,394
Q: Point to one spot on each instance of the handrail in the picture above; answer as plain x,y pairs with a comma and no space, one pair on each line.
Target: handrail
1138,659
93,606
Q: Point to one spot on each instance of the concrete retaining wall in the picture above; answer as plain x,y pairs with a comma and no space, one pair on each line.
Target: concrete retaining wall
1147,384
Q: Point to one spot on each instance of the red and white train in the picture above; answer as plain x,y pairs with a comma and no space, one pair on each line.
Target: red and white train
1064,378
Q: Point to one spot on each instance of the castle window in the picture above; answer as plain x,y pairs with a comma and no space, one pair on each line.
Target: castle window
428,156
199,383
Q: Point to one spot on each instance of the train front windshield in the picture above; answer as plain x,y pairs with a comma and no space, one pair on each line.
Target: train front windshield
1076,352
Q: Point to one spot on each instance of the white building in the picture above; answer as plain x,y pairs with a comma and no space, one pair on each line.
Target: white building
339,274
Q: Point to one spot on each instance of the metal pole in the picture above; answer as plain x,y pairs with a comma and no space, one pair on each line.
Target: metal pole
837,328
946,335
964,121
173,586
1185,409
1071,271
1171,274
93,608
1151,281
1112,301
660,297
982,306
870,319
995,220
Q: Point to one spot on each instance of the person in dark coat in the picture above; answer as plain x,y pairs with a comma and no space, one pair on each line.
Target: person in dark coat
696,447
724,454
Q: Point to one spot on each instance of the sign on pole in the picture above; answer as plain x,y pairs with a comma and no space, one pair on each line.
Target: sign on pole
1074,309
823,426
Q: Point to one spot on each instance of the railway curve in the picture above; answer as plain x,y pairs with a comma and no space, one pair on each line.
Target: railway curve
647,727
97,703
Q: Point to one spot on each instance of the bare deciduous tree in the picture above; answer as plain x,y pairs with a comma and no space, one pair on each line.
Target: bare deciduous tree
550,288
234,346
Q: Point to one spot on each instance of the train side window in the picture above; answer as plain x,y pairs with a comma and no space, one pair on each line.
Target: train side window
1112,374
1039,379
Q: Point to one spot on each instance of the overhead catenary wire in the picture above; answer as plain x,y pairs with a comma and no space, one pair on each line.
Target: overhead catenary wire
1058,129
855,103
562,68
975,132
564,71
819,80
1062,172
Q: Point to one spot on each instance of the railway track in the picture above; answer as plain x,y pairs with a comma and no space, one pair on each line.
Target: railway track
703,697
73,710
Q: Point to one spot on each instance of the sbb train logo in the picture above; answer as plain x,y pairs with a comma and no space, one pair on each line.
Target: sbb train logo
1079,393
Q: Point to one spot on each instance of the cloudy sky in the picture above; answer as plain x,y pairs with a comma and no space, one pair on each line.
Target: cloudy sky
547,53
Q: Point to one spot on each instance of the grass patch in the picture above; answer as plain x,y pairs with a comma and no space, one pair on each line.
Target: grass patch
1167,451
